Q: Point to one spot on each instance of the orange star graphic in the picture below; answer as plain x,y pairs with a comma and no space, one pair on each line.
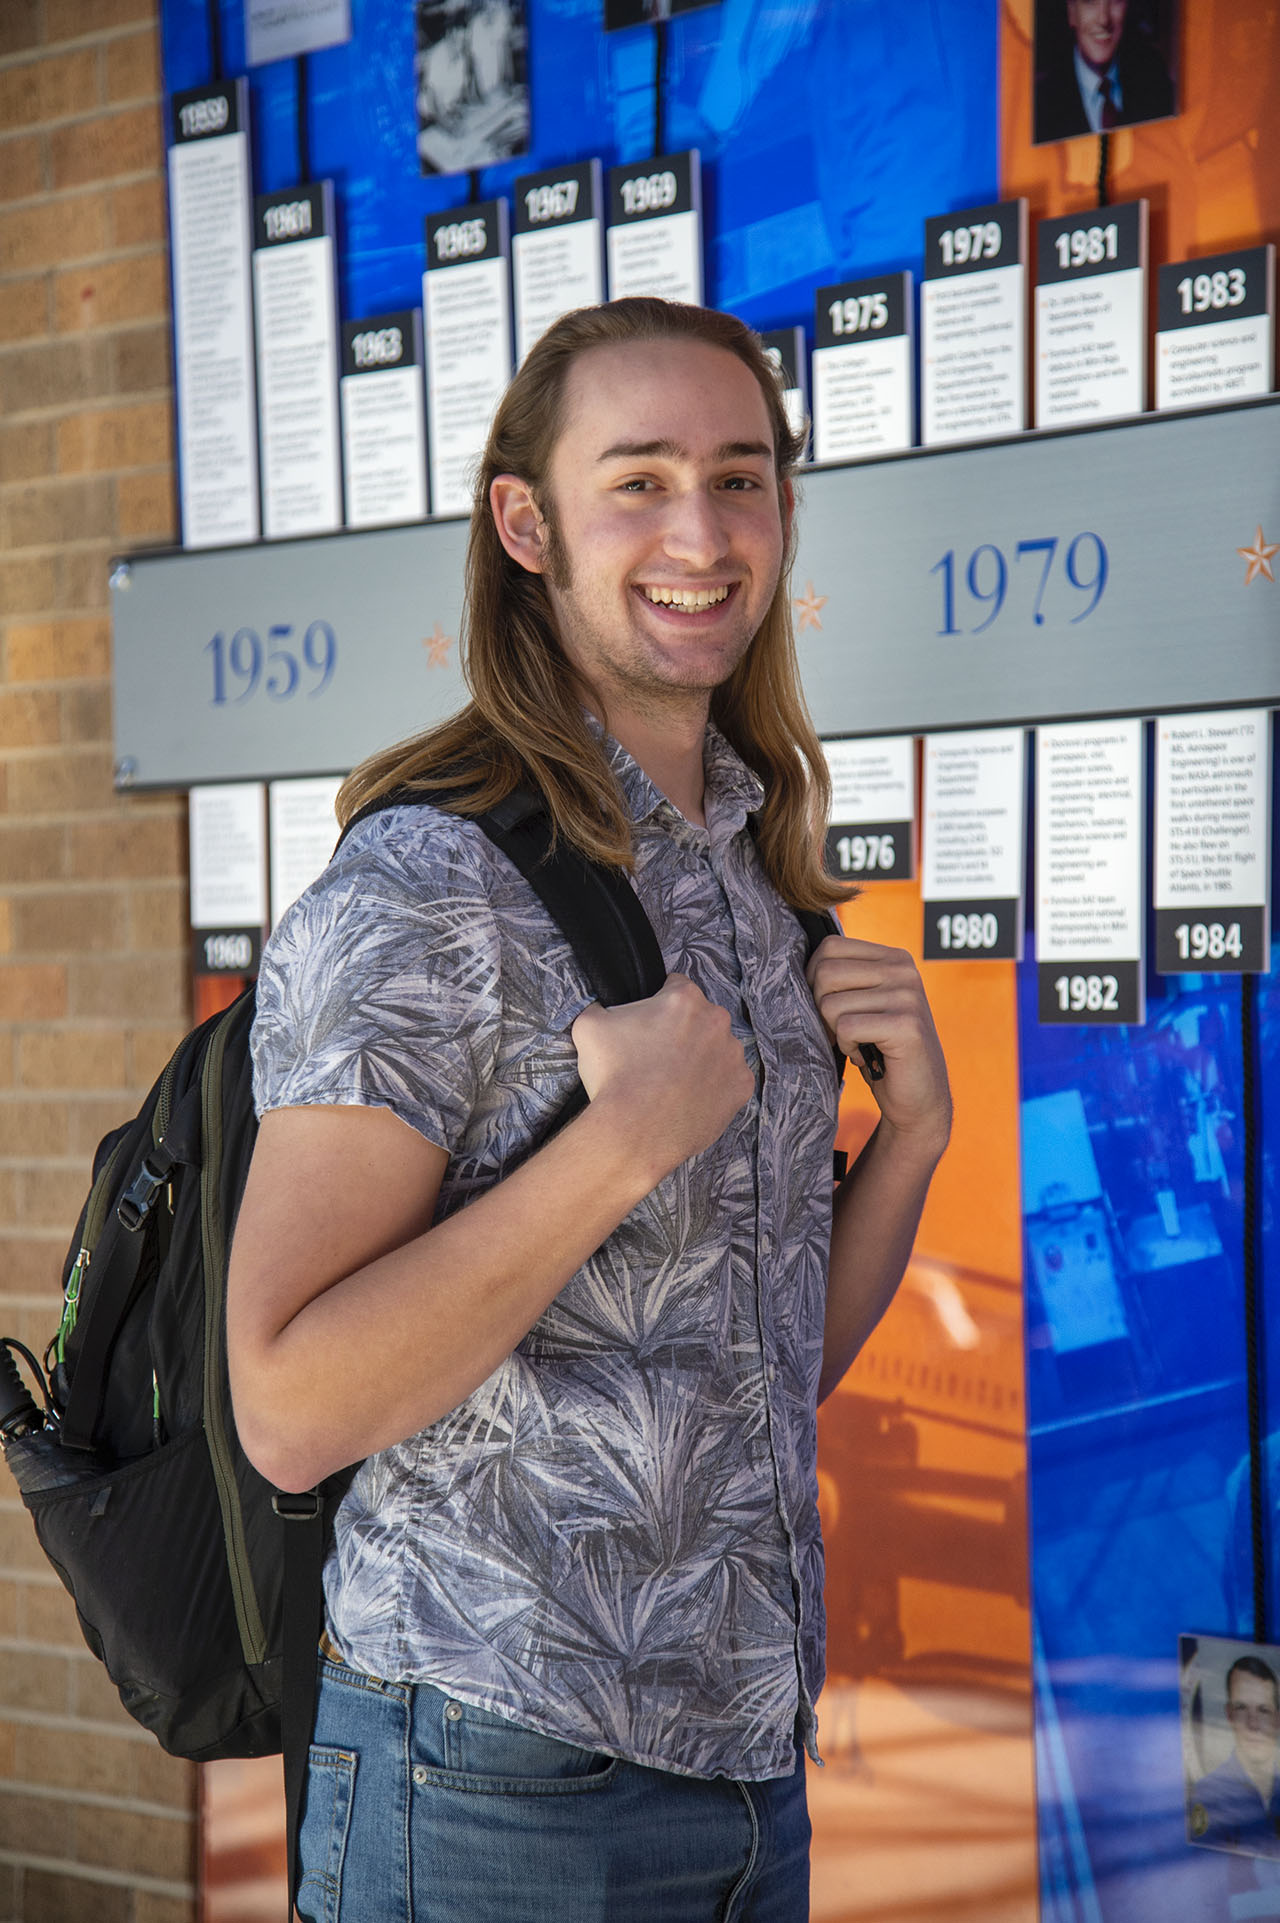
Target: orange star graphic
809,607
437,645
1259,558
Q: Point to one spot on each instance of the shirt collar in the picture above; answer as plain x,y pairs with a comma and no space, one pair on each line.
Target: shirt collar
731,785
732,789
1090,82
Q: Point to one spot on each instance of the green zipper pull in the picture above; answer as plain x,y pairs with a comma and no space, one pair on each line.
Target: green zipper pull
70,1304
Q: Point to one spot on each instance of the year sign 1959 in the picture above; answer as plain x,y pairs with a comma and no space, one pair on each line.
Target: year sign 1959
244,665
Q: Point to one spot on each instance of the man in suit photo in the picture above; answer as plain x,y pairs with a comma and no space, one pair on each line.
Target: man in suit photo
1099,67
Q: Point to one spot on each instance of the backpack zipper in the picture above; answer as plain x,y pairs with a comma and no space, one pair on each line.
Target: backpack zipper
160,1117
164,1097
253,1639
94,1216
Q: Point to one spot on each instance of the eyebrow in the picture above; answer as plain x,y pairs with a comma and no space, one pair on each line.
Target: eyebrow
672,451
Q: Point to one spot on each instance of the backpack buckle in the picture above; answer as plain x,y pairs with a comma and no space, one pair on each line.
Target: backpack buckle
297,1505
136,1203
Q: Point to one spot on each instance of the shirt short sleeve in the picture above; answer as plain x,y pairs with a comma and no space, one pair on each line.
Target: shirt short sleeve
381,985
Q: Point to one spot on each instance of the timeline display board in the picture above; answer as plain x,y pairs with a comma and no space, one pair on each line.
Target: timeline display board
973,324
975,804
655,228
1090,871
785,347
384,435
863,368
228,844
1212,842
1091,316
1215,328
466,304
557,251
1013,587
871,835
296,304
211,227
303,831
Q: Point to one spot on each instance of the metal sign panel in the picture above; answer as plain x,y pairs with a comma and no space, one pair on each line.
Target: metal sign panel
288,658
1122,570
1115,570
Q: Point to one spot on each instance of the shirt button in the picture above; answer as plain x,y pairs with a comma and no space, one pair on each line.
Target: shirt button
419,1775
454,1712
772,1371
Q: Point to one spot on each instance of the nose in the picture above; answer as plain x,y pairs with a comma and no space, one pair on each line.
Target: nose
694,532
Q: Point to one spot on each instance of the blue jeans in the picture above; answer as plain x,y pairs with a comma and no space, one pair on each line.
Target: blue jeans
422,1810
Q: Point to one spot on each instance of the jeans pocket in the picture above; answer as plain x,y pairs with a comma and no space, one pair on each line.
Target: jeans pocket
322,1841
485,1752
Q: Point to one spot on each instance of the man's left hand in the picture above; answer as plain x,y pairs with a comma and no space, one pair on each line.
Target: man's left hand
867,993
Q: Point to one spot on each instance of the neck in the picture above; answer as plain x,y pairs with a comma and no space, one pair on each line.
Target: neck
1262,1776
667,744
1098,72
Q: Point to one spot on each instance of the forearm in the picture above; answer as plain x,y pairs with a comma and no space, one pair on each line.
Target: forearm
381,1351
875,1217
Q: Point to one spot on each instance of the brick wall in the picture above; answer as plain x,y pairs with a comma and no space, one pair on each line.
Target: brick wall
96,1824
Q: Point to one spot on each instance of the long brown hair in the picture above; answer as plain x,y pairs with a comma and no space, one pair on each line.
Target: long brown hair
524,722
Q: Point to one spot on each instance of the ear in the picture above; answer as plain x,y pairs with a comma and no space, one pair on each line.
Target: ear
520,526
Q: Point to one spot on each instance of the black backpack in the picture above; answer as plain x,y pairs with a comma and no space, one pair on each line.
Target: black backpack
197,1584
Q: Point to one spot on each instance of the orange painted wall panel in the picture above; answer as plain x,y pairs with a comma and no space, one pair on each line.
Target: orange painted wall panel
922,1466
1212,175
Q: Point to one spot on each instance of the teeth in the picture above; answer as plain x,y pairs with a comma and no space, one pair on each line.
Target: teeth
692,598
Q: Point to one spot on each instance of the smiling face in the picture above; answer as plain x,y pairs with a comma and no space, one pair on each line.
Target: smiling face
1098,26
667,531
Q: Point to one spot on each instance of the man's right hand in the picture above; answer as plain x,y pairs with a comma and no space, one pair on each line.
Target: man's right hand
672,1065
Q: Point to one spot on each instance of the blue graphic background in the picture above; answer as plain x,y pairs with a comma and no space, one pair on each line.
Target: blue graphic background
828,130
1138,1445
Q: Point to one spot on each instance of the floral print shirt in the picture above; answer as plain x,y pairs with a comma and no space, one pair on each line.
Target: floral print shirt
614,1540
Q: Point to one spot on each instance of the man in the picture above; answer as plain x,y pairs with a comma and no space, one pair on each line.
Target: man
574,1621
1237,1805
1102,78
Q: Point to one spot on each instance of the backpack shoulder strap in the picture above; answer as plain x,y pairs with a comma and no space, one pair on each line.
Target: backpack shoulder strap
594,906
816,925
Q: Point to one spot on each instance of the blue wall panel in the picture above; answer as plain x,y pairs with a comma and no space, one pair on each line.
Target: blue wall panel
1138,1446
829,130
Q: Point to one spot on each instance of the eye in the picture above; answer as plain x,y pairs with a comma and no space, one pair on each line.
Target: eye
741,483
635,484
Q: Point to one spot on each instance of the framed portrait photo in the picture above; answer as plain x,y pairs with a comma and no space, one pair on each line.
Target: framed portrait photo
1230,1708
471,83
1103,64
